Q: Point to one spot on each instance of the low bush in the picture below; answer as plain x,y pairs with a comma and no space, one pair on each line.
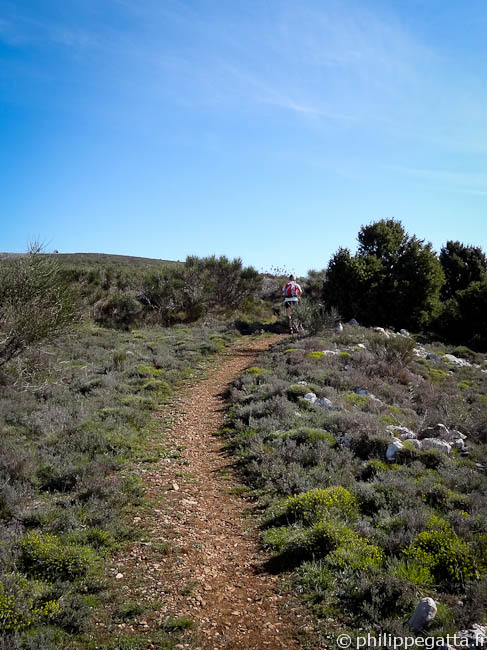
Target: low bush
24,603
47,557
318,504
448,557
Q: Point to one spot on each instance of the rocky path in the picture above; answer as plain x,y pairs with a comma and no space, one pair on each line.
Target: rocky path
213,573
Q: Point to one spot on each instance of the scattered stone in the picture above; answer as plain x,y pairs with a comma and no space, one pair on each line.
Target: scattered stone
438,431
361,346
404,332
175,486
393,448
330,352
434,443
457,361
458,434
458,444
311,397
119,576
381,330
431,356
324,403
415,442
476,636
401,432
424,613
303,383
420,352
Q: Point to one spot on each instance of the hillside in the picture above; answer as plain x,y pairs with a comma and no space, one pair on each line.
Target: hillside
96,258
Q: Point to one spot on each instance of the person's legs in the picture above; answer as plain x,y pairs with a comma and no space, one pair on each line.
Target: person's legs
289,311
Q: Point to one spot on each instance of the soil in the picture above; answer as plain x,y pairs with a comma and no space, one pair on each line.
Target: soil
213,571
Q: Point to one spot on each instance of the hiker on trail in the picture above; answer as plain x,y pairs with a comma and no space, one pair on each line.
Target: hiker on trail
291,292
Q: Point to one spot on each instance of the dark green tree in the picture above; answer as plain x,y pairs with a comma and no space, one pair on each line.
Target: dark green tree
394,279
462,265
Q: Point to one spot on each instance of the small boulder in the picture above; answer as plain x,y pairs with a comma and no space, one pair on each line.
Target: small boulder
324,403
431,356
420,352
352,321
457,361
381,330
392,449
454,435
415,443
458,444
434,443
424,613
438,431
361,346
311,397
404,332
476,636
401,432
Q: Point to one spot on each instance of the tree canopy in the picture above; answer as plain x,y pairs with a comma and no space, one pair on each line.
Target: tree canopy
394,279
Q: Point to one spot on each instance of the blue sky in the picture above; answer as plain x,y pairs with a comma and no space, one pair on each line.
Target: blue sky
269,130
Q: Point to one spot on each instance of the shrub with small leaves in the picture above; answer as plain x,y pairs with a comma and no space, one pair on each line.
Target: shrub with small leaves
448,557
312,506
46,556
356,554
23,603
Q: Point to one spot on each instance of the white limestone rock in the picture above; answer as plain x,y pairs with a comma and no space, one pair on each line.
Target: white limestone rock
424,613
434,443
393,448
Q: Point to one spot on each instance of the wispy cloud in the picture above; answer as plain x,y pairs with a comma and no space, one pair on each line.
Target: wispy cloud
465,182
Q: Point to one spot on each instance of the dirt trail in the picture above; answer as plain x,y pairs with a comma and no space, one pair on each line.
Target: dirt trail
215,577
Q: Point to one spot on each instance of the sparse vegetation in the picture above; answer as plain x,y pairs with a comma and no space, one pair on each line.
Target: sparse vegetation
366,533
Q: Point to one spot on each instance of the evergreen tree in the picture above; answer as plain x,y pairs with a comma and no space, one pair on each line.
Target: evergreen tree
394,279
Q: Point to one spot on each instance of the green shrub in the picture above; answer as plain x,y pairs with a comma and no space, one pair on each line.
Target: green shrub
45,556
255,371
157,386
35,302
314,316
316,504
356,554
119,310
366,447
373,468
448,557
119,359
317,355
357,400
414,572
24,603
315,580
308,435
295,391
